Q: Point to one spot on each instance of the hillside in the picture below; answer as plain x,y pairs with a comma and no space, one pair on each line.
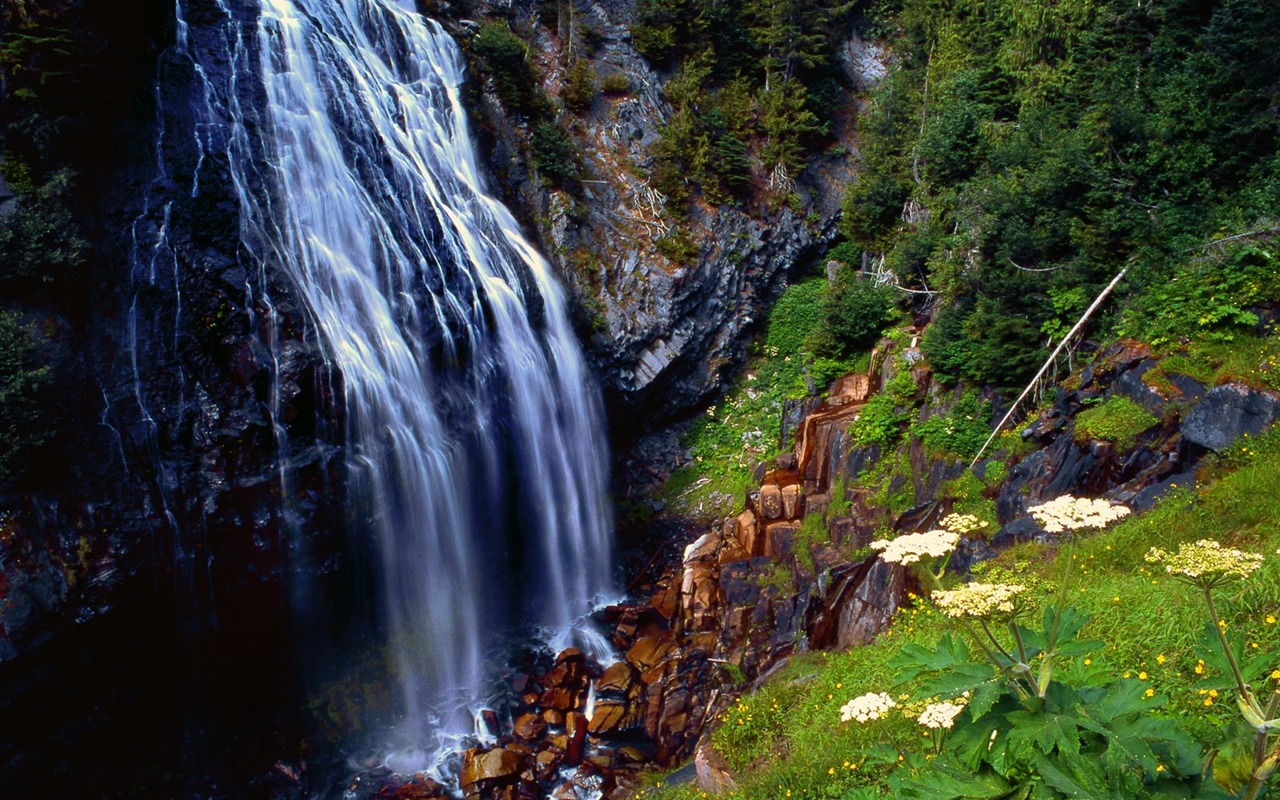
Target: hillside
816,257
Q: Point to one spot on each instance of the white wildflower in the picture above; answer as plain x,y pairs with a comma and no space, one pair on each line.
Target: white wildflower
912,547
940,715
1067,513
962,523
1206,561
979,600
868,707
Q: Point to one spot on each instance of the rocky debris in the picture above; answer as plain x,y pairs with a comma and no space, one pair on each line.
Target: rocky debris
418,787
529,727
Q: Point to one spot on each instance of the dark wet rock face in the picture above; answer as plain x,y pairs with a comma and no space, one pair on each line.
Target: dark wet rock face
1228,412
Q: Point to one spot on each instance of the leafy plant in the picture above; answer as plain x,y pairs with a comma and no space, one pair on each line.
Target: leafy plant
1026,731
854,314
554,154
958,433
880,422
40,240
504,57
1207,303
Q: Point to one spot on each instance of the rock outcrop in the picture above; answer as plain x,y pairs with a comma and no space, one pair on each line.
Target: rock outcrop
661,331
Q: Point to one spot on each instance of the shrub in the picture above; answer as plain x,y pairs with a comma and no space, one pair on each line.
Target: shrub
854,314
503,56
678,246
872,207
40,239
986,346
960,432
1209,302
615,83
554,155
579,88
880,421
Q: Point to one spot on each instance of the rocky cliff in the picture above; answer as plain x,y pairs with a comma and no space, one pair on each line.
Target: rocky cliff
664,330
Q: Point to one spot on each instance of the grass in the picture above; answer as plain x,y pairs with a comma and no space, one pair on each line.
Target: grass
1250,360
786,739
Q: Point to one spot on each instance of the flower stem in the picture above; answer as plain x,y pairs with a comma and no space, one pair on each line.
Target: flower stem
999,648
1046,665
1017,637
1241,686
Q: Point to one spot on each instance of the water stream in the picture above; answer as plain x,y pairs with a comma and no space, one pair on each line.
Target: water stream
475,438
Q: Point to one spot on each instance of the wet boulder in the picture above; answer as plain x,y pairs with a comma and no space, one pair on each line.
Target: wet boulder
1227,413
485,770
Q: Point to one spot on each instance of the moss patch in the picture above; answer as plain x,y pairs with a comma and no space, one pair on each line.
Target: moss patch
1118,420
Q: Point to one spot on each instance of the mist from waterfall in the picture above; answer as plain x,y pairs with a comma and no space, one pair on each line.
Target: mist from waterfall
476,449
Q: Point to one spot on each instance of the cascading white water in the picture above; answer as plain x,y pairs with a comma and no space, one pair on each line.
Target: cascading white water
475,434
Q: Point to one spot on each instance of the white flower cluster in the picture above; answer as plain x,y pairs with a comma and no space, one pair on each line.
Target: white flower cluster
962,523
978,600
1067,513
868,707
940,715
912,547
1206,559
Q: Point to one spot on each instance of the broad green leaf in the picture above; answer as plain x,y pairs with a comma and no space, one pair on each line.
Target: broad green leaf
958,679
1121,698
1048,731
914,660
1069,624
984,696
942,780
1076,777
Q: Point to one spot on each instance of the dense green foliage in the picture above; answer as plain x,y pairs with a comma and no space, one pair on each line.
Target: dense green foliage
757,77
46,101
1040,149
579,86
882,420
504,57
854,314
39,242
958,433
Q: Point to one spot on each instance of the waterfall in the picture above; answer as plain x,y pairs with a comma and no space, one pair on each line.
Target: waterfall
474,432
